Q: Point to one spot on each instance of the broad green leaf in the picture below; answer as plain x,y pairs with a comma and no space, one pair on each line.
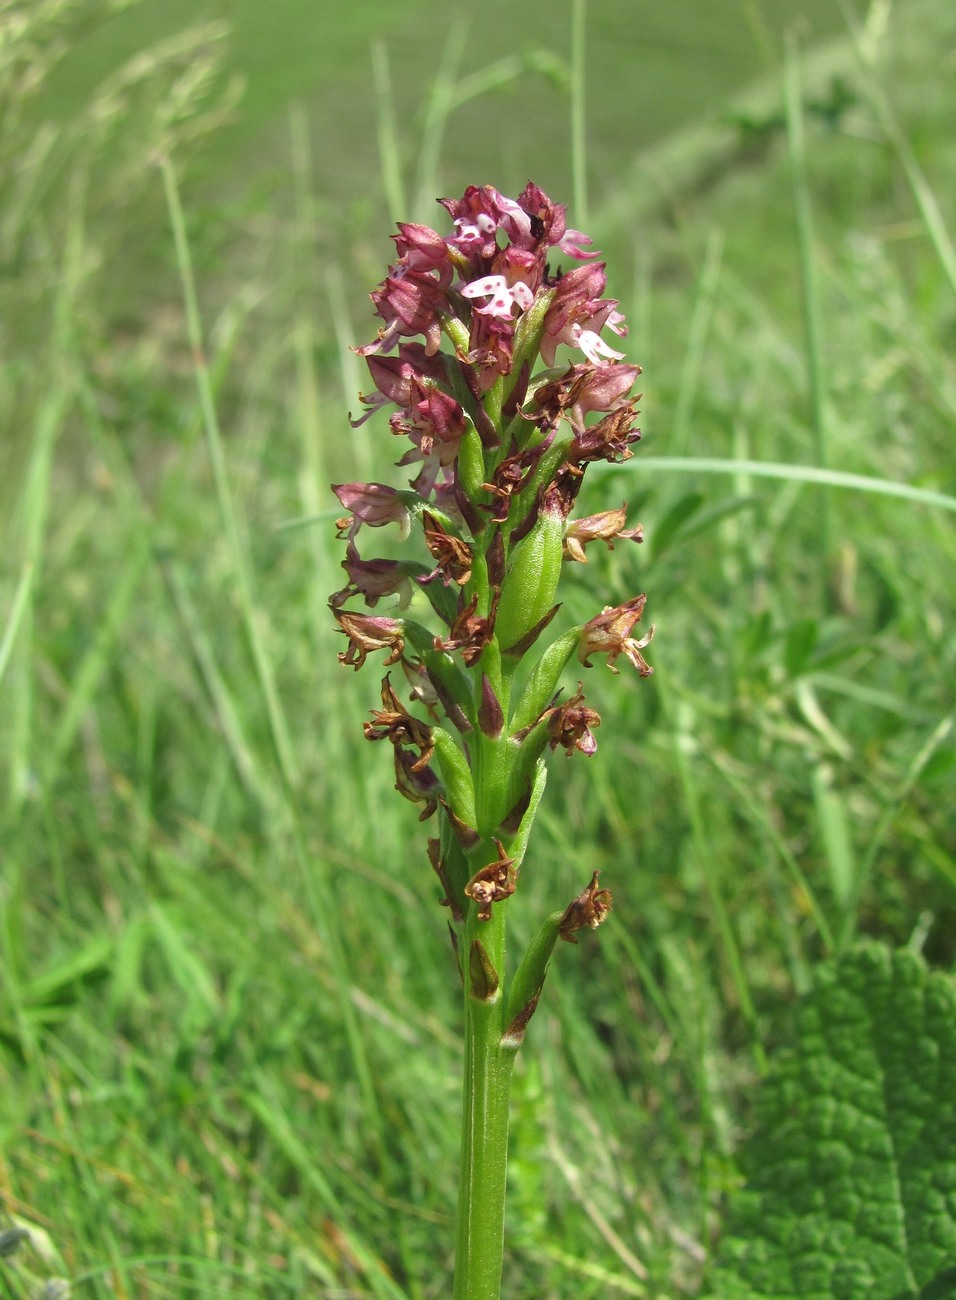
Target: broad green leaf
851,1174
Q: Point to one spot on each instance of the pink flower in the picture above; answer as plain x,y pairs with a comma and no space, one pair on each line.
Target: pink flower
374,504
570,245
577,315
593,346
435,424
476,215
373,579
409,302
491,350
422,249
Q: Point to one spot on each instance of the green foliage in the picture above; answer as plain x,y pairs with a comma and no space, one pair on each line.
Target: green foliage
851,1172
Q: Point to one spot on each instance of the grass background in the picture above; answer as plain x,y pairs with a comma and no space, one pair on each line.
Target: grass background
229,1052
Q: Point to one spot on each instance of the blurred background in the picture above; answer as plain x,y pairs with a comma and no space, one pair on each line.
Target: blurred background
229,1043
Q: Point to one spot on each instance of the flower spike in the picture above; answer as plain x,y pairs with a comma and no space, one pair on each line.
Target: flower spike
501,373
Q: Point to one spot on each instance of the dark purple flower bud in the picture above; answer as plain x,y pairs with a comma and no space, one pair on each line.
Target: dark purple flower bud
491,350
409,302
422,249
401,379
547,223
491,718
476,215
496,560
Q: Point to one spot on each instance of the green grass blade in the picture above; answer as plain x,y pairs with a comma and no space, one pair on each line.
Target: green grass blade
697,332
97,661
579,150
389,152
833,478
937,737
926,201
251,615
15,616
812,307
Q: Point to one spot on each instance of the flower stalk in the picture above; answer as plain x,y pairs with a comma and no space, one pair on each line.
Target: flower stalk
500,435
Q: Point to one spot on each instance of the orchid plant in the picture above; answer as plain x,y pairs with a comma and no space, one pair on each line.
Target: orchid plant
501,435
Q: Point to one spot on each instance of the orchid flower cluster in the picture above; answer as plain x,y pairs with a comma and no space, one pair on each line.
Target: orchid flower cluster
499,445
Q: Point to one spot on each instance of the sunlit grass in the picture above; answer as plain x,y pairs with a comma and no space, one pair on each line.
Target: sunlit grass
229,1054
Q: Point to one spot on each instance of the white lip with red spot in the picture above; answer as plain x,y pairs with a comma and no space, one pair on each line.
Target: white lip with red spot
504,296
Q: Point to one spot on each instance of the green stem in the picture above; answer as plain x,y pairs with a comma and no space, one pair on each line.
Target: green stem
484,1142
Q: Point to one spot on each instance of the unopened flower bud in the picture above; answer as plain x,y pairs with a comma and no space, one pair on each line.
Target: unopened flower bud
491,719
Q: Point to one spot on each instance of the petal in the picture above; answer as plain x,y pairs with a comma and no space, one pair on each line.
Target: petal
594,347
485,287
